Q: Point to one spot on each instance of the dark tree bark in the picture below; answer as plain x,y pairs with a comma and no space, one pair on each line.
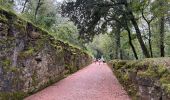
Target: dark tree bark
138,33
117,42
150,33
150,40
124,23
130,40
26,1
162,35
37,8
162,29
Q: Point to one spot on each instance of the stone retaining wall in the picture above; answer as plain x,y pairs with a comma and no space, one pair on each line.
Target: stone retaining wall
147,79
31,59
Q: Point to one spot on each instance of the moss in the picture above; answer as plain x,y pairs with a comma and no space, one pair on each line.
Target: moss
166,88
165,79
120,64
3,18
153,71
21,27
39,44
162,70
27,53
59,48
34,81
7,66
126,77
127,83
12,96
165,82
32,48
14,69
6,62
73,69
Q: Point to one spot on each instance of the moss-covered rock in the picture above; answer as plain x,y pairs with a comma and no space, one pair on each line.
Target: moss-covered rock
144,79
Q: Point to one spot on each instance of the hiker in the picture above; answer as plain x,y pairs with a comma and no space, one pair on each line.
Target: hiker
102,60
95,60
99,60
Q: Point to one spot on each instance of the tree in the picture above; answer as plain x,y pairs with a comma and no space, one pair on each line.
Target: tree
39,3
146,6
91,17
117,41
103,45
160,9
138,32
24,6
130,39
162,29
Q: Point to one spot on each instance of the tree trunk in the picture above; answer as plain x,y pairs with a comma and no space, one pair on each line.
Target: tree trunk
150,33
162,34
24,6
138,33
150,41
130,42
37,8
117,42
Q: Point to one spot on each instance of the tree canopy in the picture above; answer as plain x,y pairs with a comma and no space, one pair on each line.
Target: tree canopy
93,17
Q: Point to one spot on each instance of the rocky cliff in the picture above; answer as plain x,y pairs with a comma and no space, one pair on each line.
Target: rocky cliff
147,79
31,59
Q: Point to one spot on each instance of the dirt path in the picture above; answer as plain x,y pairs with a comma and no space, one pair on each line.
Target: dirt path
91,83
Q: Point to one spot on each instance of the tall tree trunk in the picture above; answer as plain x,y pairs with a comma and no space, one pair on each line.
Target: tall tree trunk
37,8
138,33
130,42
150,33
130,38
150,41
139,37
162,34
24,6
121,54
117,42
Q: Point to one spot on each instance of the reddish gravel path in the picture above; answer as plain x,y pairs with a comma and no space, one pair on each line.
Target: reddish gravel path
91,83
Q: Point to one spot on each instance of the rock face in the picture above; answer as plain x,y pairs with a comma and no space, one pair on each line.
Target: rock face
31,59
147,79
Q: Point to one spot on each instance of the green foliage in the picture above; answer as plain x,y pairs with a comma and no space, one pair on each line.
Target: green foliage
67,32
102,45
8,4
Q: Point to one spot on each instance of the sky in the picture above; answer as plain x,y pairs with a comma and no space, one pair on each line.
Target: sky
59,0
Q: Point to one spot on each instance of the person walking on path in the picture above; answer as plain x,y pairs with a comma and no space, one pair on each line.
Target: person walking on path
99,60
102,59
95,60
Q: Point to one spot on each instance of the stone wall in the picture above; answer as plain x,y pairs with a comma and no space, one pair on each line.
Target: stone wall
31,59
147,79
